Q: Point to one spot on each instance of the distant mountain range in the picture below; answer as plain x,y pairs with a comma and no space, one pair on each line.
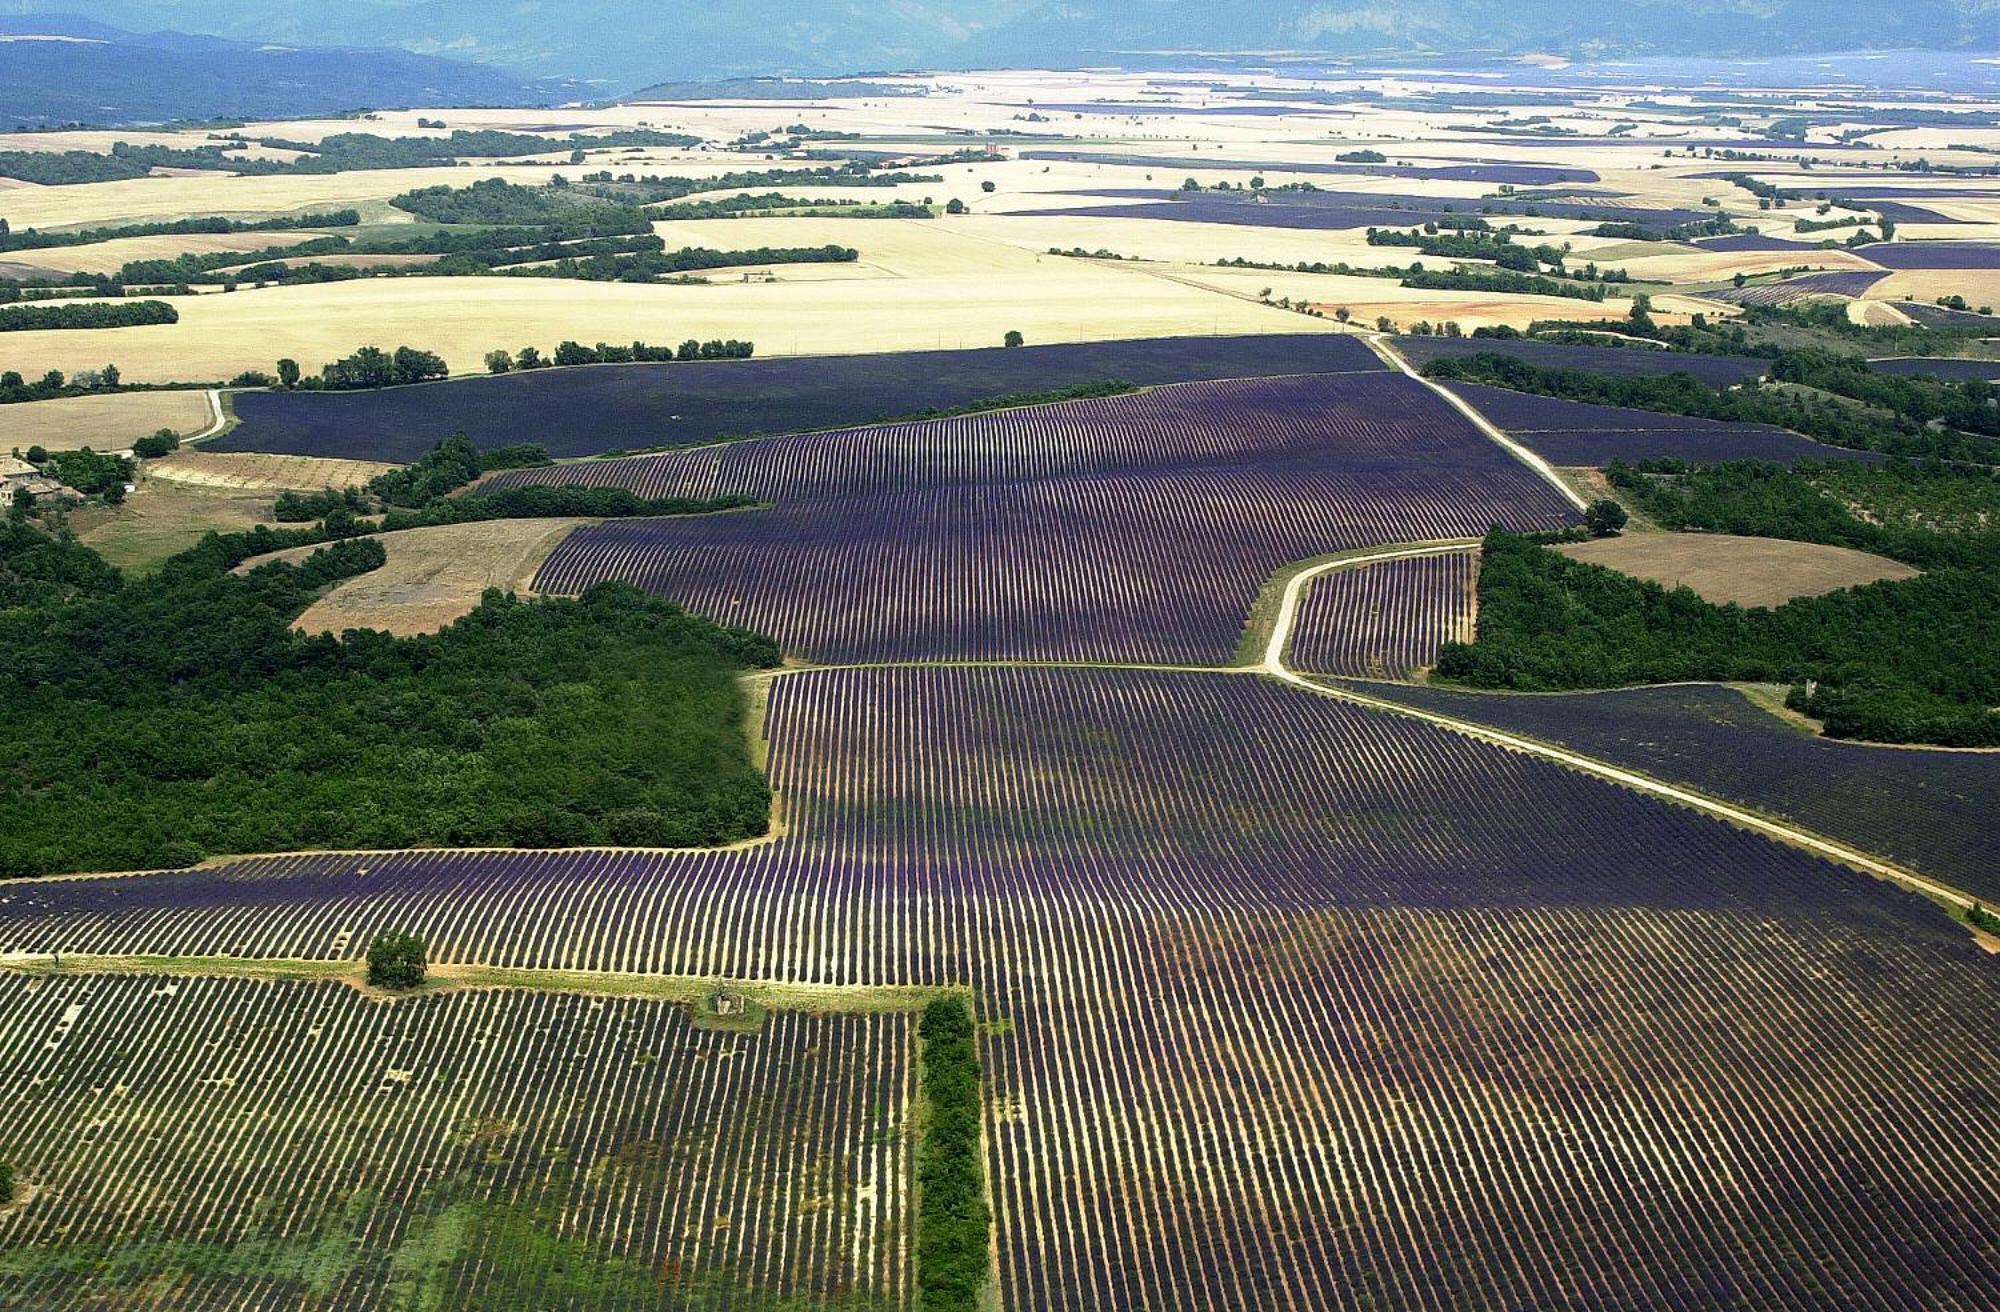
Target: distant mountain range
618,45
64,69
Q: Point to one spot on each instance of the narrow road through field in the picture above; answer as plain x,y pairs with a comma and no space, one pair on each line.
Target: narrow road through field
1382,347
1274,666
221,416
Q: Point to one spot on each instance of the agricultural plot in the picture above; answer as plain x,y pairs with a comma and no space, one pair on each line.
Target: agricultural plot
1754,241
1956,370
1496,173
1625,362
1850,283
1723,568
1906,255
1130,528
203,1143
1930,809
1361,209
585,411
434,575
251,472
1296,966
110,422
1576,433
1386,620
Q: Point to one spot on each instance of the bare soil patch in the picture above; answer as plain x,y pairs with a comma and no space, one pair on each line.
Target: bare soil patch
1747,571
255,472
434,575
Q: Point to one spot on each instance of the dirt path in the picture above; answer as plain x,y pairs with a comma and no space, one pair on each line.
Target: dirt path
1380,342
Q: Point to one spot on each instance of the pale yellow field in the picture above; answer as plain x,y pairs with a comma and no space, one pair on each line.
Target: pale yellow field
104,423
434,575
108,256
250,472
1047,298
1369,298
1747,571
1978,286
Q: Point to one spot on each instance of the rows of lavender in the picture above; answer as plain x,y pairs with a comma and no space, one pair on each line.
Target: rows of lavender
591,410
1931,810
1624,362
1493,171
1935,254
1290,1003
208,1143
1386,620
1131,529
1578,433
1845,282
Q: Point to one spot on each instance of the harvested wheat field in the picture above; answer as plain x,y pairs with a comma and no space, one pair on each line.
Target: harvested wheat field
245,471
1057,301
434,575
1747,571
104,423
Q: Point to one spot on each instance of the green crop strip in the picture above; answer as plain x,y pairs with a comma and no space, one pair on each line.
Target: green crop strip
953,1220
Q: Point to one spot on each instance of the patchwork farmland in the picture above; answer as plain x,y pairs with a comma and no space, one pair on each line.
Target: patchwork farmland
1376,875
946,777
1017,535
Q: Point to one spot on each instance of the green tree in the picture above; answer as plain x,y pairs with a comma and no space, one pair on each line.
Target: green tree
1013,338
499,362
954,206
1605,518
37,455
988,186
288,372
159,444
396,961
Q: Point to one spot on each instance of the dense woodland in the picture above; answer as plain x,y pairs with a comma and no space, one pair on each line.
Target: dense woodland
1914,660
185,706
89,314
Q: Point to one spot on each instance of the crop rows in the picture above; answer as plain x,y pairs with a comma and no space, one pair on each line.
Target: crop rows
1387,620
1933,255
203,1143
1929,809
1409,209
1847,282
1579,433
1956,370
1304,1006
1624,362
586,411
1132,529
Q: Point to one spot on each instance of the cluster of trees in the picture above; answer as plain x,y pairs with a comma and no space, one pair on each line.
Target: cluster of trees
729,207
497,201
371,366
570,352
1501,280
92,473
1914,660
159,443
652,190
185,704
1970,405
647,266
90,314
49,569
396,960
1824,417
31,239
450,465
328,503
953,1221
1720,226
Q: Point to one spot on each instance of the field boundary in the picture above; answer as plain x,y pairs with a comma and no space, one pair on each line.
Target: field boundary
1275,667
1265,610
451,977
1386,349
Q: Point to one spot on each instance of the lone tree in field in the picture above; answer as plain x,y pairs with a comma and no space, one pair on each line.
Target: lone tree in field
288,372
1013,338
396,961
1604,518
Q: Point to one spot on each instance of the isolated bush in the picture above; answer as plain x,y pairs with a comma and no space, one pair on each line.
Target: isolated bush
1604,518
1013,338
396,961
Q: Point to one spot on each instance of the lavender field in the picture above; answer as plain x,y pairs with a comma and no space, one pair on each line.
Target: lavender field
1576,433
1131,528
1473,957
1847,282
207,1143
1931,810
1935,254
1386,620
1629,362
592,409
1956,370
1498,173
